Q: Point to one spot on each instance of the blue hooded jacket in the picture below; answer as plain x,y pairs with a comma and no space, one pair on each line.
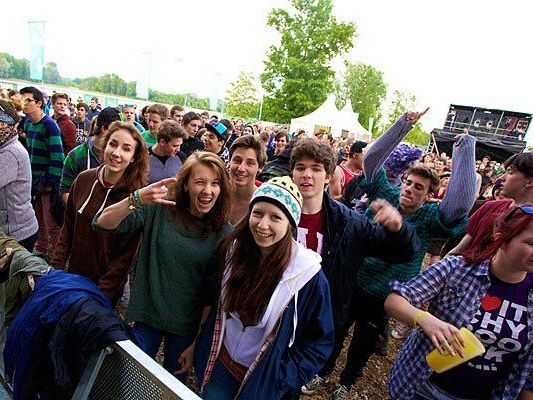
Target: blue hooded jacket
283,369
27,336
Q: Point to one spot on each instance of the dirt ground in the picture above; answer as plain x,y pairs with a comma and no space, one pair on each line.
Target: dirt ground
373,384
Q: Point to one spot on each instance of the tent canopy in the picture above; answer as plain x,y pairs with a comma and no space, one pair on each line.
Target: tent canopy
327,118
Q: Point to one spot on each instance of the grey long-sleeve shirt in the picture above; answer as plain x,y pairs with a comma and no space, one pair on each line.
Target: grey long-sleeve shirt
461,192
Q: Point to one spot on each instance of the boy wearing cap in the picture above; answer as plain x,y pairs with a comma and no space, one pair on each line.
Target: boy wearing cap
347,170
216,137
340,235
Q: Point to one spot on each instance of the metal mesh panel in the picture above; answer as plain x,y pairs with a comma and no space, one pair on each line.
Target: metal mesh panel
122,377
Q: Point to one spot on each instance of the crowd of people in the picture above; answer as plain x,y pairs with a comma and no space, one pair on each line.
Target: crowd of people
245,252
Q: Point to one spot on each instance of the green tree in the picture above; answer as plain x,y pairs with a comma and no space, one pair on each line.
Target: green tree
242,97
5,67
51,73
365,87
401,103
20,68
418,136
298,76
131,89
112,83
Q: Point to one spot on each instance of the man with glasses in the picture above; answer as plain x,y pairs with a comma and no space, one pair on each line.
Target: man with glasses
45,149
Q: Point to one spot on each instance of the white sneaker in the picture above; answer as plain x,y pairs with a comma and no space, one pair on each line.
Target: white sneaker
341,392
315,384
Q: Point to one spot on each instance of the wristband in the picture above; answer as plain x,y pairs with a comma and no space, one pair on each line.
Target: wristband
137,198
133,204
419,315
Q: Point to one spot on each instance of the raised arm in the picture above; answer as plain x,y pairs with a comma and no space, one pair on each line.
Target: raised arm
461,193
386,143
113,215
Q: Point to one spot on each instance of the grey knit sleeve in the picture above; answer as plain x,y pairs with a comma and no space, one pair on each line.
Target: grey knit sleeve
461,193
384,145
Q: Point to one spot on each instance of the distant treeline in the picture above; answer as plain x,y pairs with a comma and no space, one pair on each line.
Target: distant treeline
19,68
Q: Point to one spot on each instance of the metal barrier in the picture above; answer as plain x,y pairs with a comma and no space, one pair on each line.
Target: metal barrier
124,372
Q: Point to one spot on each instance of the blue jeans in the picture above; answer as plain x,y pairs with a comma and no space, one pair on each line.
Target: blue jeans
174,346
222,385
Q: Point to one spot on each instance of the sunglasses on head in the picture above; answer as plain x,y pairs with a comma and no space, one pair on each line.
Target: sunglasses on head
525,209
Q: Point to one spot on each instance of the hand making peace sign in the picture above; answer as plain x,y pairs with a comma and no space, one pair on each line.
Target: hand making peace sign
157,192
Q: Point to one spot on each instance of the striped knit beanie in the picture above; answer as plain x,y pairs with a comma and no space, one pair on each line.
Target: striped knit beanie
284,194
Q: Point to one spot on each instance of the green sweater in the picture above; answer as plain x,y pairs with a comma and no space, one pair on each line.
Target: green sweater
172,272
45,148
149,139
374,275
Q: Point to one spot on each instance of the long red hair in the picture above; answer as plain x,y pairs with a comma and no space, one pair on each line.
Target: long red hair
507,226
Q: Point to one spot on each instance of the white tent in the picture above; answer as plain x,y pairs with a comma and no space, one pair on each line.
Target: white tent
333,121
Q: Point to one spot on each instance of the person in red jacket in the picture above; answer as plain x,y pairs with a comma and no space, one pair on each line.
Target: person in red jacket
67,127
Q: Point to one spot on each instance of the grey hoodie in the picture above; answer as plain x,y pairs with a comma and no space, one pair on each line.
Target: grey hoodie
17,218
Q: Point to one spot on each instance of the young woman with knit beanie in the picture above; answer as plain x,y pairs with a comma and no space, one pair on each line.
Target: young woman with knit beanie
17,218
105,259
272,330
181,232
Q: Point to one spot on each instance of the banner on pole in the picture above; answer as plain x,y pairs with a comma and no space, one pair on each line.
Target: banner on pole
143,75
36,50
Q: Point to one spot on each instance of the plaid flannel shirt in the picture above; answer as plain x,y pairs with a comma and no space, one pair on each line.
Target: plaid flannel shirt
454,290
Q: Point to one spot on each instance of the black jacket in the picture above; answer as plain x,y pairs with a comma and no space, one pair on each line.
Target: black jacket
85,329
348,238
